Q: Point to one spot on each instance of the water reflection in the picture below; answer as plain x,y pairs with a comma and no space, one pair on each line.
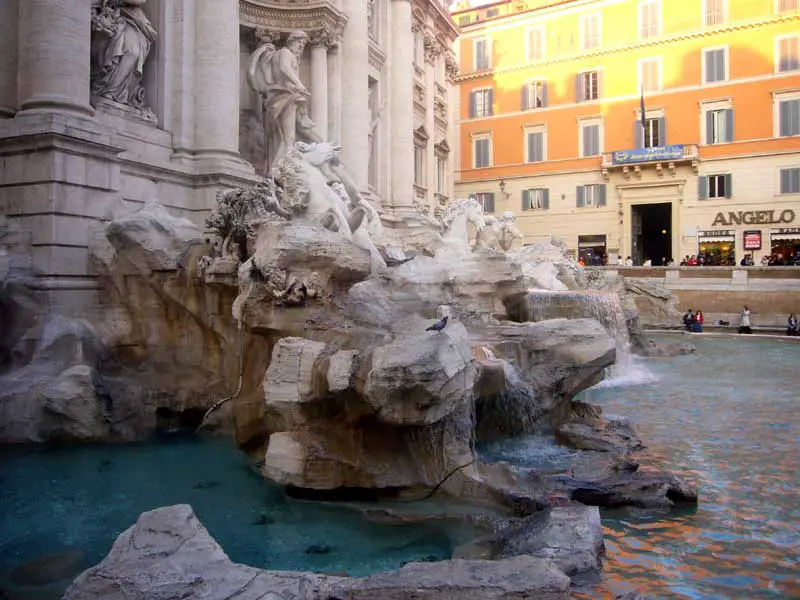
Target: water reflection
726,417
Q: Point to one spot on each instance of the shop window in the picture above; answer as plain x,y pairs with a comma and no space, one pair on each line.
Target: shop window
592,249
714,186
590,195
790,181
536,199
486,200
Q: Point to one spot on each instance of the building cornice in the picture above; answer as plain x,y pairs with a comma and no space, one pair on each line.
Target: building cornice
641,44
313,16
441,16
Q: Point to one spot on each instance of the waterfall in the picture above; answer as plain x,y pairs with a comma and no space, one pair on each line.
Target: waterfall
605,308
514,411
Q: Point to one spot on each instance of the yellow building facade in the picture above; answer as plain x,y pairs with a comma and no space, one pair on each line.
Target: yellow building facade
551,124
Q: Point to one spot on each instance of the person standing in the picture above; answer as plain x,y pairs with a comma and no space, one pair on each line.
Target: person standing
745,326
792,325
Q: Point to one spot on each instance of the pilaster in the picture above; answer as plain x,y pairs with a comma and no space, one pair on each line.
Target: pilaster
401,73
319,84
355,101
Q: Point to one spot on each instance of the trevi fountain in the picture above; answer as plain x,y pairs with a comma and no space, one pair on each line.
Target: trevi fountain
296,322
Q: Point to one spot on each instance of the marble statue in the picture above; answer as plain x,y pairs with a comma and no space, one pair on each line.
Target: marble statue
455,220
122,36
498,233
274,73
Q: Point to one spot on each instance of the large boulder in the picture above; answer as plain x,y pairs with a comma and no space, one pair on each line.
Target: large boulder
168,554
421,376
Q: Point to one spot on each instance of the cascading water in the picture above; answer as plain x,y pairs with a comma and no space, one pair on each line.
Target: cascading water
602,306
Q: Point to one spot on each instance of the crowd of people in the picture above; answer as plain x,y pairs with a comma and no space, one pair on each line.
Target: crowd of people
693,322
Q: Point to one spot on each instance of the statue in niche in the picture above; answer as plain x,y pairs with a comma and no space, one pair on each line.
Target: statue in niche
274,73
122,36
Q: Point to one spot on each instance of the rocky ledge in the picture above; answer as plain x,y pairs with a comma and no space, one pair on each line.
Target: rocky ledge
168,554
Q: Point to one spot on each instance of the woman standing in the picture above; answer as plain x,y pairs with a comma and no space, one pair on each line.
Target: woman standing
745,326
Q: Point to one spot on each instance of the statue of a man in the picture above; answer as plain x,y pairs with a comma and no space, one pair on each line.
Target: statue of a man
275,75
121,39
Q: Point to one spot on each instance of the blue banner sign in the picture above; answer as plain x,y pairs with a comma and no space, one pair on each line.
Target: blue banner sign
638,155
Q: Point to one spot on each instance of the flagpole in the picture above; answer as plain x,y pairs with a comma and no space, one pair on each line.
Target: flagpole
643,120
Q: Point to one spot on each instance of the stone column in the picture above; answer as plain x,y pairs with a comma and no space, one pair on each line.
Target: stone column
335,95
431,94
354,100
401,73
216,81
9,27
319,84
54,42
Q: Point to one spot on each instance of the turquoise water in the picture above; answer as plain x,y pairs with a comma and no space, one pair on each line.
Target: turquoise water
81,498
727,417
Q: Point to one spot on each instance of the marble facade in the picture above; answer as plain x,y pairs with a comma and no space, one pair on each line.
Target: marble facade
379,74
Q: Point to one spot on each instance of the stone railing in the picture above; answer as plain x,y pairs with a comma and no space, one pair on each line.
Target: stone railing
771,293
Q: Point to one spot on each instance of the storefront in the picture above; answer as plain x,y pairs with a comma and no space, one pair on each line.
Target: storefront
592,249
784,242
717,247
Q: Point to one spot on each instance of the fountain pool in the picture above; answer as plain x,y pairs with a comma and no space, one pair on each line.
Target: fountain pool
73,502
728,417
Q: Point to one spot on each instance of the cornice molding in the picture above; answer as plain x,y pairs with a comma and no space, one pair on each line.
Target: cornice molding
320,18
649,43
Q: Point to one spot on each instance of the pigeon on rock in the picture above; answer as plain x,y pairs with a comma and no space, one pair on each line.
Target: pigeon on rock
438,326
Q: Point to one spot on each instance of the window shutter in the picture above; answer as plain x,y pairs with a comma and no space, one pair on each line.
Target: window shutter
729,186
546,198
638,134
544,94
525,100
579,87
710,69
786,181
709,127
720,65
729,125
579,196
601,189
587,142
490,202
794,181
526,199
531,147
662,131
490,102
472,109
538,146
702,187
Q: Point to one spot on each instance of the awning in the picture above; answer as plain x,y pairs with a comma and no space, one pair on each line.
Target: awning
784,235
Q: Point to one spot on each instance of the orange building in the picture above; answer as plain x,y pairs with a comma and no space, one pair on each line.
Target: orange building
551,124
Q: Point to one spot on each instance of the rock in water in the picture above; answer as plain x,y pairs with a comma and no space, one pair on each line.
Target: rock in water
168,554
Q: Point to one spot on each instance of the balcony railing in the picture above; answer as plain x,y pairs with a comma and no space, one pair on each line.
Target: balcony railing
634,159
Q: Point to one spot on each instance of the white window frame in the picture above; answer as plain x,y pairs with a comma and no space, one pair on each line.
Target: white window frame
777,98
528,129
582,25
640,20
538,189
778,180
708,188
778,40
599,72
593,187
482,89
727,53
660,70
778,8
704,5
706,107
601,134
475,137
543,32
531,83
488,40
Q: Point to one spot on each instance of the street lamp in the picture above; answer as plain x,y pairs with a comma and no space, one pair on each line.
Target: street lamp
503,189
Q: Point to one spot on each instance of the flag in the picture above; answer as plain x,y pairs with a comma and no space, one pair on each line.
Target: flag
644,119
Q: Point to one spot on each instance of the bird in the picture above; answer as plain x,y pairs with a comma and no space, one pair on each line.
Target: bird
439,325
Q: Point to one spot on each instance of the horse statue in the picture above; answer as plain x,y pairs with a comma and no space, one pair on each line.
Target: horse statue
498,233
457,215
